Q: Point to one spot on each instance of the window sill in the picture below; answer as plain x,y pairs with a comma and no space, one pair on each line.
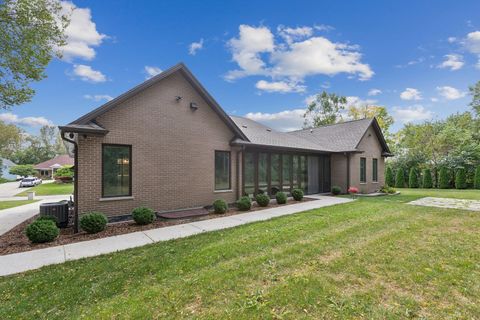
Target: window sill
116,198
363,183
375,182
223,191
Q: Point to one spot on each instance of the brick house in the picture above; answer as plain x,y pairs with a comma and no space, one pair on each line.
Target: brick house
168,145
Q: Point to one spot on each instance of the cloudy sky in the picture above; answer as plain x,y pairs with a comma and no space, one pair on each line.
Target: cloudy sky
266,59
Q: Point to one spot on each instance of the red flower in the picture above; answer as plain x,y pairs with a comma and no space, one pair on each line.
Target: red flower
352,190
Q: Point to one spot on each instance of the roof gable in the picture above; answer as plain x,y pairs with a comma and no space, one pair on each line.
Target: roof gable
84,123
61,160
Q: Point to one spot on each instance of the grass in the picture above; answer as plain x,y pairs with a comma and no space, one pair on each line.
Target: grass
14,203
49,189
374,258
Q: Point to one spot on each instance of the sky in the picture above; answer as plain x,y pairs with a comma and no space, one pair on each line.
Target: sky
267,59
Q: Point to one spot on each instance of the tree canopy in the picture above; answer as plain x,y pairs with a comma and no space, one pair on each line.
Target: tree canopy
32,31
324,109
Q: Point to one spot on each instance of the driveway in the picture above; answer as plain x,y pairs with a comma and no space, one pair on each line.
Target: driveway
10,189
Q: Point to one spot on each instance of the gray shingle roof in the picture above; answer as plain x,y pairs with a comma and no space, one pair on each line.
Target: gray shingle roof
340,137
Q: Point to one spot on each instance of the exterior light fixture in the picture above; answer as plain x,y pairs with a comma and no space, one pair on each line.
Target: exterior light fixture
193,106
178,98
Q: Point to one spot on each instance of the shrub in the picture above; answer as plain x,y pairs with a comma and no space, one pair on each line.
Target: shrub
400,178
244,203
427,179
143,215
413,178
389,178
262,199
42,230
93,222
47,218
220,206
476,181
281,197
387,189
297,194
460,179
64,172
443,179
336,190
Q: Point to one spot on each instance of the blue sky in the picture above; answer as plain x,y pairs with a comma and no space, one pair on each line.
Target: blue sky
264,59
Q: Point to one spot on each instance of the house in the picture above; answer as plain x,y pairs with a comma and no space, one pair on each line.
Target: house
6,165
47,168
168,145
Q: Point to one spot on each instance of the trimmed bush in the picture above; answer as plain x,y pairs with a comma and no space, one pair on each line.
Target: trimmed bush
336,190
443,179
143,215
93,222
427,179
47,218
413,178
461,179
42,230
387,189
244,203
281,197
389,178
297,194
262,200
400,178
220,206
476,179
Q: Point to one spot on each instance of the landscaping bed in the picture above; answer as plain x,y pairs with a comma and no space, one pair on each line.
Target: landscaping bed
16,241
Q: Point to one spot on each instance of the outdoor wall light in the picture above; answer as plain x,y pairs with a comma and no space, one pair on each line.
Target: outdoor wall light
178,98
193,106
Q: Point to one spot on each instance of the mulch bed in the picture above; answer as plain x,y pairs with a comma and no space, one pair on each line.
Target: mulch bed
15,240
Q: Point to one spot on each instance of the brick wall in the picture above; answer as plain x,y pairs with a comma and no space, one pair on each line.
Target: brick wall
173,151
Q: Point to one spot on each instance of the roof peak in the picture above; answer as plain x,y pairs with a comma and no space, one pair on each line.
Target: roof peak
334,124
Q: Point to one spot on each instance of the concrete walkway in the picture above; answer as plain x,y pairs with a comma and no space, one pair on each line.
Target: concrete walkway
9,218
451,203
30,260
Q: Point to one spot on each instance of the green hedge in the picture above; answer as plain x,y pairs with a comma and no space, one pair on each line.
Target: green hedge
143,215
93,222
400,178
413,178
461,179
389,177
220,206
443,179
476,181
427,182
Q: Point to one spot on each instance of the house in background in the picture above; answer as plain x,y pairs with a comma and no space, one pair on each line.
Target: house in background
168,145
6,165
47,169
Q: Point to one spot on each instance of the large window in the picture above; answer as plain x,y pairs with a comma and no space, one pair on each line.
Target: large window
375,170
363,170
116,170
222,170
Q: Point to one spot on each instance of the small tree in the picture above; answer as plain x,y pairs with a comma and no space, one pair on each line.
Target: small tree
443,179
460,178
389,178
413,178
65,171
400,178
476,181
23,170
427,179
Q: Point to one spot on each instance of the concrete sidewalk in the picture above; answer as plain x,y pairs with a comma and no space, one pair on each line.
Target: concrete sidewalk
30,260
9,218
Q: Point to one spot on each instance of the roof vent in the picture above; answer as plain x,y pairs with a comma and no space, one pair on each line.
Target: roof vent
269,130
178,98
244,126
311,130
193,106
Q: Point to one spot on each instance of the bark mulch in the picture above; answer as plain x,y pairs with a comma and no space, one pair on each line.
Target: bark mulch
15,240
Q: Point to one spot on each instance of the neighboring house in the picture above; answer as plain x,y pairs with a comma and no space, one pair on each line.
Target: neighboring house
47,168
6,165
168,145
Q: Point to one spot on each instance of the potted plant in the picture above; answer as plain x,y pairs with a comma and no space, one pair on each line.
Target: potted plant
353,191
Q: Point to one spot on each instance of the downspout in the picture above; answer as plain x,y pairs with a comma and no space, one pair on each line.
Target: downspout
348,171
75,180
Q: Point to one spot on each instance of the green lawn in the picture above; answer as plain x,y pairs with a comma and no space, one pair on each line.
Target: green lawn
14,203
50,189
375,258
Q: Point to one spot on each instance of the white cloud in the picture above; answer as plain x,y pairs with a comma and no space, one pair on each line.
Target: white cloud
299,55
452,61
374,92
411,114
195,46
451,39
359,102
81,33
472,42
287,120
98,97
450,93
86,73
411,94
279,86
434,99
26,121
152,71
323,27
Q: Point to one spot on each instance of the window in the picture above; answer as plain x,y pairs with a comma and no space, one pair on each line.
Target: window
116,170
375,170
222,170
363,170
